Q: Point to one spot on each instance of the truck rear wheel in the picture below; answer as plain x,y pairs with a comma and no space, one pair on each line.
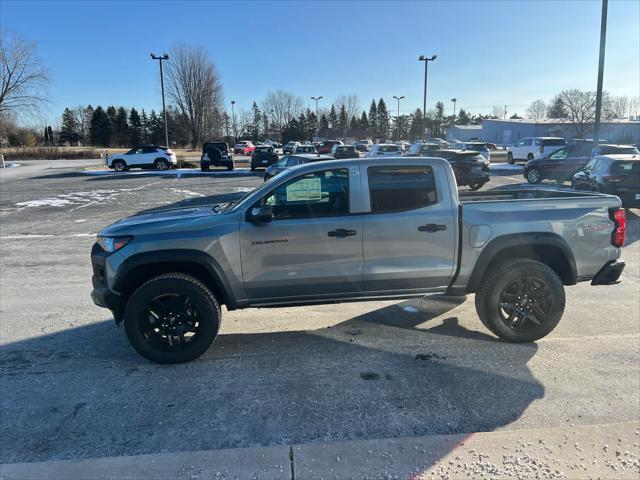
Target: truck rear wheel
522,300
172,318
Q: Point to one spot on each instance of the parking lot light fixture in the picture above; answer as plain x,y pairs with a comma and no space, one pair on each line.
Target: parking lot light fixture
454,100
398,116
426,60
160,58
317,118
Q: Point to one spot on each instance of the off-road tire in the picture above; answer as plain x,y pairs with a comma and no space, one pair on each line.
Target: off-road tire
173,283
530,157
488,301
510,159
204,168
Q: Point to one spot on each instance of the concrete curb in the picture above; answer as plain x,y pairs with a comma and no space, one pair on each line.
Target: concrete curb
585,451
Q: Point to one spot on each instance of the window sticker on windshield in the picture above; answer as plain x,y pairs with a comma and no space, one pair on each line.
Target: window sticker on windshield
305,189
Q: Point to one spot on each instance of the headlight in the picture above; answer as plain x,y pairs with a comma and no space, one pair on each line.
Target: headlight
112,244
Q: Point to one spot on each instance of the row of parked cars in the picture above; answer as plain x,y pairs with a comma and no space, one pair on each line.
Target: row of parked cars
606,168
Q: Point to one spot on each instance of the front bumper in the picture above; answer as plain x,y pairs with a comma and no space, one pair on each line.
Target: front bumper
101,295
609,274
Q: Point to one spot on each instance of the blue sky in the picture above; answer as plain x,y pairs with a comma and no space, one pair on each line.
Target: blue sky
489,53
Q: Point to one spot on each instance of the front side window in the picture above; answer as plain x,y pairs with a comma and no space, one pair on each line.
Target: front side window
400,188
282,162
313,195
148,150
560,154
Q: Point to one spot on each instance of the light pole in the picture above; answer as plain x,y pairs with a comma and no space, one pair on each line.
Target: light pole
160,58
454,100
603,38
317,118
426,61
398,116
233,122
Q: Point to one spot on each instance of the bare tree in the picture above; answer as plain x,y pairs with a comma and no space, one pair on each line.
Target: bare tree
537,110
194,86
82,116
619,107
581,109
634,106
497,111
350,102
24,78
282,107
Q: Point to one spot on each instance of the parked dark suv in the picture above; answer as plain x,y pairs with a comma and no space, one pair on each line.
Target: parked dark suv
617,175
470,168
344,151
563,163
216,154
263,157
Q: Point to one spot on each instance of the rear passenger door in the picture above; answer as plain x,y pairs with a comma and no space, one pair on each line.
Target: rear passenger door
409,232
149,154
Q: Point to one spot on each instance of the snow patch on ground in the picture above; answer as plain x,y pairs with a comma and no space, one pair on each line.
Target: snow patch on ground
506,166
410,309
173,172
243,189
188,193
45,202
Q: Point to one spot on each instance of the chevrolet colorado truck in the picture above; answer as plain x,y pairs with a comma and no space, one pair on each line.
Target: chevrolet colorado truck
346,230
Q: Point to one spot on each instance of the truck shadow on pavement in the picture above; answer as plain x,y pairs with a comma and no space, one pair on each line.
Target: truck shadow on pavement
402,370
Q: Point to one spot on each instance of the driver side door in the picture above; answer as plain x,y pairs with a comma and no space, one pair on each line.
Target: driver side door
312,247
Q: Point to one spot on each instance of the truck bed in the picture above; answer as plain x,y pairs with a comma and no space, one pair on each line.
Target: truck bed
522,194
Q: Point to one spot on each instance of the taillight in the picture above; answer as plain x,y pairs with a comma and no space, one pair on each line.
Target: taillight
619,217
612,178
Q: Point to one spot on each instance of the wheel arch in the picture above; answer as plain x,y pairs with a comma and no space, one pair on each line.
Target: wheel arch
548,248
138,269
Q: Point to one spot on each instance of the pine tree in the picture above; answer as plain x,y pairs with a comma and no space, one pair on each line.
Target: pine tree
305,134
100,129
415,130
364,121
312,123
557,109
384,122
136,127
324,122
463,117
343,119
354,124
144,120
373,118
121,128
333,117
256,122
69,130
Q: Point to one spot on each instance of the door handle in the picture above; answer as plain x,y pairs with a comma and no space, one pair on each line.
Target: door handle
431,227
341,233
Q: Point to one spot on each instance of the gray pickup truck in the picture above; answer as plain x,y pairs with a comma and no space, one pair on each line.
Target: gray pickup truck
348,230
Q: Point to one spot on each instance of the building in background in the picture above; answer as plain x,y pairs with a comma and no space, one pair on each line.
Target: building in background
506,132
464,133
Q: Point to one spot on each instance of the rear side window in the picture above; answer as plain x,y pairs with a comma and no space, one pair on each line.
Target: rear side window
149,150
388,148
400,188
626,168
553,142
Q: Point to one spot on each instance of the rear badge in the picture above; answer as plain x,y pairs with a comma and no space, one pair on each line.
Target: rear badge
596,227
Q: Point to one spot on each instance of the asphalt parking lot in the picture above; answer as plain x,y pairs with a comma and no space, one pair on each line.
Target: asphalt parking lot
73,388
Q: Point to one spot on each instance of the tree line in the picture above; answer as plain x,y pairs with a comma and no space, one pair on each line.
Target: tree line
121,127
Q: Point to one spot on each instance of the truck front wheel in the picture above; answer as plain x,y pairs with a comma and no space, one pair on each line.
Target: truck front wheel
521,300
172,318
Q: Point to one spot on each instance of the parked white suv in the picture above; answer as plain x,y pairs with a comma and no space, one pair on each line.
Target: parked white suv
385,150
529,148
143,156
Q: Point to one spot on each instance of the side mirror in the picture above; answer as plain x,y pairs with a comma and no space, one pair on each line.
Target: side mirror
262,214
